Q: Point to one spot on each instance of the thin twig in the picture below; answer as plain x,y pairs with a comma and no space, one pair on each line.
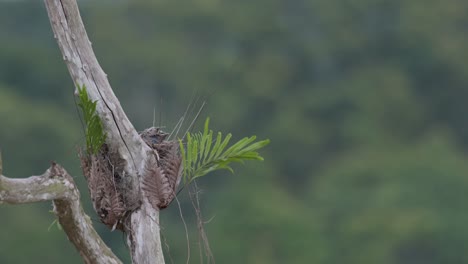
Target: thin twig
167,247
154,116
186,230
195,119
160,112
176,127
1,163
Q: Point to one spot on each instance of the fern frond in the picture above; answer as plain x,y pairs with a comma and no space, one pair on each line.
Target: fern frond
95,135
200,156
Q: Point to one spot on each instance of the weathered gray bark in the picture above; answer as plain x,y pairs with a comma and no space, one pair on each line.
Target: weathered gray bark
57,185
143,232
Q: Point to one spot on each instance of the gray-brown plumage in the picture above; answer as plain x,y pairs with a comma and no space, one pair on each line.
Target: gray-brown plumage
166,168
155,185
153,136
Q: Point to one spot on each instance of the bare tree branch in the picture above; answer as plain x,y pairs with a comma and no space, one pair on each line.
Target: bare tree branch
122,138
33,189
57,185
85,70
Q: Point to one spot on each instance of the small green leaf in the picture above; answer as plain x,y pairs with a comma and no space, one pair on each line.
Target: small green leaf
223,145
200,157
216,146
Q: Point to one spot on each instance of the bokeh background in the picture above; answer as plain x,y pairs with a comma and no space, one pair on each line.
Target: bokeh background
365,103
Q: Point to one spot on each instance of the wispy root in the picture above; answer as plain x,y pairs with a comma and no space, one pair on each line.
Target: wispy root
203,242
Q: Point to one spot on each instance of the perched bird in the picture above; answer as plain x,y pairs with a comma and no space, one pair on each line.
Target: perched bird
164,173
153,136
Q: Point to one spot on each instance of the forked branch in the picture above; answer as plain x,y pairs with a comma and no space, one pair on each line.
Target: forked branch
122,139
57,185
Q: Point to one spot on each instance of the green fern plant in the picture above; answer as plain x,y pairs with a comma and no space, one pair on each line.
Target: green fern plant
95,136
203,155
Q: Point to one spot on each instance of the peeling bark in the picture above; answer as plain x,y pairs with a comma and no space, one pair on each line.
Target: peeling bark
57,185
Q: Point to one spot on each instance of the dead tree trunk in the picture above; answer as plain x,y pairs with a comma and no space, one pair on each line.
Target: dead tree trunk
130,176
124,143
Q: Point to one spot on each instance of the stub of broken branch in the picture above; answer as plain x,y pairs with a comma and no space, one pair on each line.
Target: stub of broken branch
57,185
45,187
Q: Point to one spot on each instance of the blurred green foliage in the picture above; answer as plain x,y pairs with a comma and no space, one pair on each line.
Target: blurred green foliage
364,102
